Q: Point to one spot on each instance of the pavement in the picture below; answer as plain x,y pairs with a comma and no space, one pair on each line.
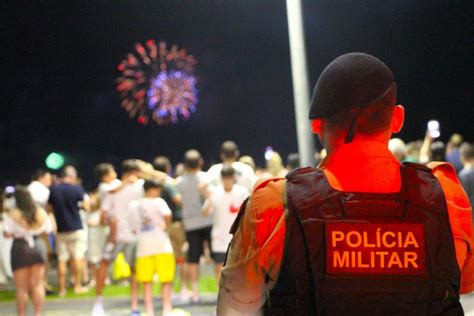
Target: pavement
120,306
115,306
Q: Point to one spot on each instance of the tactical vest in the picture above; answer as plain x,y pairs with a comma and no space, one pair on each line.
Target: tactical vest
366,253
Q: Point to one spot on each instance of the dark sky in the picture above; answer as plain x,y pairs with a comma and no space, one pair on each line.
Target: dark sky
58,91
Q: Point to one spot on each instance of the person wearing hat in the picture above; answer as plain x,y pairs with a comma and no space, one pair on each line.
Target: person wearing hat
361,234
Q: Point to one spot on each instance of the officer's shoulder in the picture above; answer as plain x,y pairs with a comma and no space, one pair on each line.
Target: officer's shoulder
266,200
267,183
443,166
299,171
268,194
271,191
443,169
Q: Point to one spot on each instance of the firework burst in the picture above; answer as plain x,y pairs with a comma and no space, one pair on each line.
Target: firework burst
157,83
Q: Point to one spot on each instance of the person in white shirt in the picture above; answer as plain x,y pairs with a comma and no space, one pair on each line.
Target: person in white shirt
39,190
107,176
121,239
244,174
149,217
224,205
108,182
39,187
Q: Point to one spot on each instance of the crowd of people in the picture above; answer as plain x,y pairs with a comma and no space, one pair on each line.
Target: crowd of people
165,222
458,153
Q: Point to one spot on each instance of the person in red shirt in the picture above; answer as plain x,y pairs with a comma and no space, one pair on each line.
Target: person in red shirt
389,228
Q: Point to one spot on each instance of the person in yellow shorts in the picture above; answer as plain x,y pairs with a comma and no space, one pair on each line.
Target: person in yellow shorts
161,264
149,217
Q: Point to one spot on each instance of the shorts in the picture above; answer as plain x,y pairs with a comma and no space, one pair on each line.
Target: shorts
23,256
218,257
161,264
178,238
83,244
49,249
70,244
128,250
96,243
196,240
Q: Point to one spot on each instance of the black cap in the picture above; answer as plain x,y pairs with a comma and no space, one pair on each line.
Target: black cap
350,81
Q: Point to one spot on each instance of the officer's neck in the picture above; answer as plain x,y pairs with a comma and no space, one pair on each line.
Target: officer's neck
359,140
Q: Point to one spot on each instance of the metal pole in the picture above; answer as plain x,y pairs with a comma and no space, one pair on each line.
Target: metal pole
300,82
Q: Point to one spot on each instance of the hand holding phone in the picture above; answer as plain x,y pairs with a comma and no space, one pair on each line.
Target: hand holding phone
433,129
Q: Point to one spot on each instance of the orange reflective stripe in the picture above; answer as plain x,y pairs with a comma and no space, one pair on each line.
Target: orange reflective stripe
460,218
459,208
268,207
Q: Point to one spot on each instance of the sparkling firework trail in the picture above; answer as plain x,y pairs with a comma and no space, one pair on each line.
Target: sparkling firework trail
157,83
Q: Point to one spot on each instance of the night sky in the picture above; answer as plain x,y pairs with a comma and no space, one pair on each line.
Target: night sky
60,61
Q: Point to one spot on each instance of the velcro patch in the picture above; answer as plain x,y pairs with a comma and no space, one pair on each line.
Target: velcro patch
355,248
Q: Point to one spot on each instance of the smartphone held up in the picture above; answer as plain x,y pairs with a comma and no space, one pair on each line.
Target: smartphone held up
433,129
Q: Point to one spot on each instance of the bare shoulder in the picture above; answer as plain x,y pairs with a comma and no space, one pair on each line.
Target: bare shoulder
41,215
14,214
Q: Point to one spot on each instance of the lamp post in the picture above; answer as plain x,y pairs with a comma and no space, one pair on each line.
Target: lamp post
300,82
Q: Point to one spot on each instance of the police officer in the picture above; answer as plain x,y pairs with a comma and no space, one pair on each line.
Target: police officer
361,234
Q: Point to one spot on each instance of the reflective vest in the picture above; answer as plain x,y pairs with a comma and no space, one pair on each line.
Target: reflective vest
366,253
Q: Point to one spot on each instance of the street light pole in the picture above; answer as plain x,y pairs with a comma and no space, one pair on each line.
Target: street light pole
300,82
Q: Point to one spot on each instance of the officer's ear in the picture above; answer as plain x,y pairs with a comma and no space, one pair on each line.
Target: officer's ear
398,118
316,126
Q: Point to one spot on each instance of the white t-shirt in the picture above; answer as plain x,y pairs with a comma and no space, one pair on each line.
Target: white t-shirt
116,205
146,218
39,192
105,188
97,234
224,207
244,175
